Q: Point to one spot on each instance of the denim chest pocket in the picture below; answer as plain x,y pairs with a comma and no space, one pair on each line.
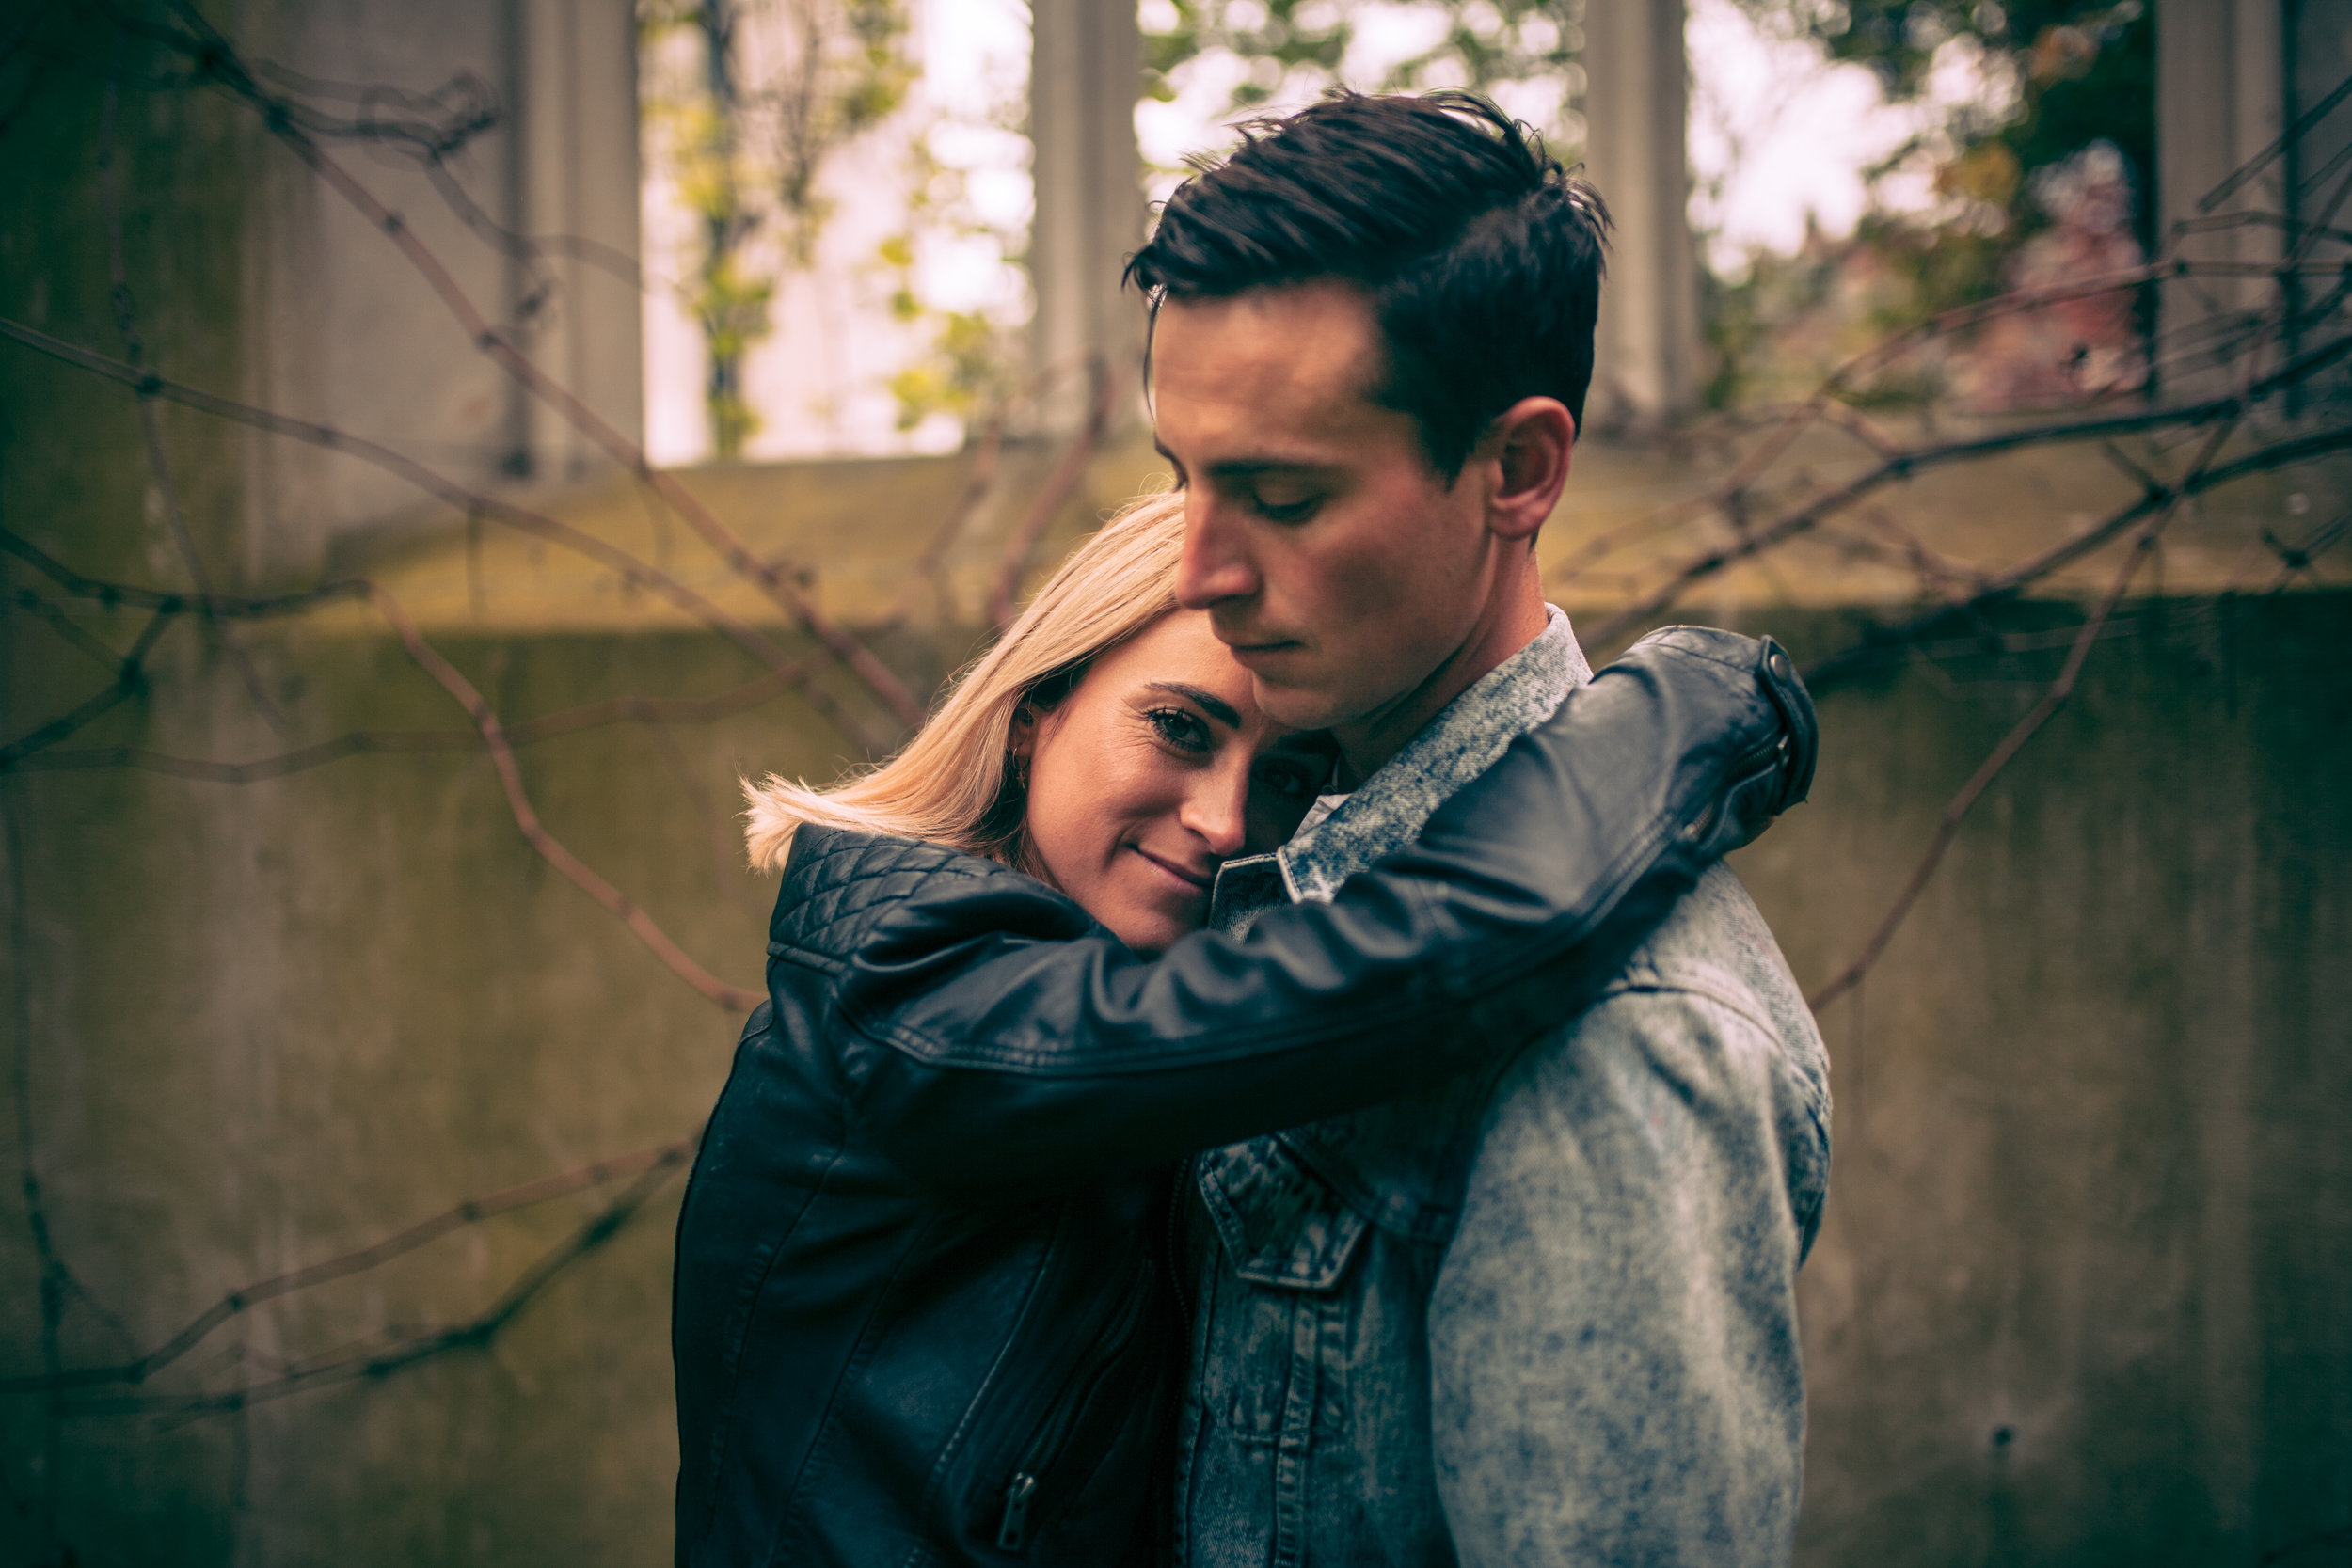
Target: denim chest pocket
1283,1225
1288,1237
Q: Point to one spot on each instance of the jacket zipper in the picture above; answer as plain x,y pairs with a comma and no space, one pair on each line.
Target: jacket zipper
1179,1193
1012,1529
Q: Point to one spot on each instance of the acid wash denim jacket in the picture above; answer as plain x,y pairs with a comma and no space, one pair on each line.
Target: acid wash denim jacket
1545,1316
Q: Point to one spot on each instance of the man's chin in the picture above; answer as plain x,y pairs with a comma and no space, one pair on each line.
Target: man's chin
1298,706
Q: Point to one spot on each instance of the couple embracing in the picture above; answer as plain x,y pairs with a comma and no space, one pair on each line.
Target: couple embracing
1273,1073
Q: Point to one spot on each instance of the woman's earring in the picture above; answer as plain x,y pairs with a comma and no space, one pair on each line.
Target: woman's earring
1017,752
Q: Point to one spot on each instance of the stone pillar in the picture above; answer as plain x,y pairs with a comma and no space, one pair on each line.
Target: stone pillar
576,187
1636,101
1086,62
2221,80
2319,57
346,332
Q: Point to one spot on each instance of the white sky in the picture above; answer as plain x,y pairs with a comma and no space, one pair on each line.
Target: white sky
1777,133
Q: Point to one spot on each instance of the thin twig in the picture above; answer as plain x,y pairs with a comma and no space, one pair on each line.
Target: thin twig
472,1211
163,601
1022,542
2240,177
1803,517
151,425
472,1334
498,346
2143,539
64,626
575,870
654,712
129,680
627,567
928,565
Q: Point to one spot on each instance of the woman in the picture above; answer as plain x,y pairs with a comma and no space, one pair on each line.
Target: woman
923,1312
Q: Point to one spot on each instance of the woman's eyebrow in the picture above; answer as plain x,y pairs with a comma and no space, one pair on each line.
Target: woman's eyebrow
1215,706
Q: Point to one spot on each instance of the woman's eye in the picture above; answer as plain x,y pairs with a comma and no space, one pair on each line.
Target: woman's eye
1180,729
1288,782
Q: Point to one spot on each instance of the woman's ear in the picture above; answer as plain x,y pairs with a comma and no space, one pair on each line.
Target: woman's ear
1023,744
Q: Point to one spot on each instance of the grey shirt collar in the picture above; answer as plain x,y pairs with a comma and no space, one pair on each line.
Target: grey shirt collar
1387,811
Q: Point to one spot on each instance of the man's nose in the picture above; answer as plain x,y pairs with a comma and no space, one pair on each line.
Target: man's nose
1213,568
1216,809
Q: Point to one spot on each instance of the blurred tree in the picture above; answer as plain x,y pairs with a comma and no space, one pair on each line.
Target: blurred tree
1298,46
2055,79
2060,75
975,360
1273,36
747,147
2082,71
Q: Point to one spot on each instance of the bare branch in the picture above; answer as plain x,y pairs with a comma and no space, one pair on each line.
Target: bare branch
150,427
575,870
655,712
220,58
621,562
1022,542
472,1211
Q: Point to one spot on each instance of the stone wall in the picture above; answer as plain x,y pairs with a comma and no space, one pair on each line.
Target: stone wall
2078,1297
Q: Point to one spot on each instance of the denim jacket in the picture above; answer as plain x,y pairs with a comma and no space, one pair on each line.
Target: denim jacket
1545,1314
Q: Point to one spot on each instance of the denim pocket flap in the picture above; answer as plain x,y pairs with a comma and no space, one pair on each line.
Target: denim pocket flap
1282,1225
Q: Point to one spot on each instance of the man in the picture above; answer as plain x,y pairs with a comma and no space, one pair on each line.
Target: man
1549,1316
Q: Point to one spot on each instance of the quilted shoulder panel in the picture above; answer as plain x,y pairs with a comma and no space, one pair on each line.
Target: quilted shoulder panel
838,883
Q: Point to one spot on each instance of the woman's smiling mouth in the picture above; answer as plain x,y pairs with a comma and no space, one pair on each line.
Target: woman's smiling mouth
1191,882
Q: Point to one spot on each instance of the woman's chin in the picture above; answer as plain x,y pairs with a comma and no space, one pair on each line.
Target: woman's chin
1152,931
1145,904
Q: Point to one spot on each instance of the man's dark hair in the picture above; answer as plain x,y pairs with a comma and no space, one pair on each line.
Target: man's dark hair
1481,256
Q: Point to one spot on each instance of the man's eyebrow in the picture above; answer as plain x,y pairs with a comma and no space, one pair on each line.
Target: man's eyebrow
1209,702
1250,468
1244,467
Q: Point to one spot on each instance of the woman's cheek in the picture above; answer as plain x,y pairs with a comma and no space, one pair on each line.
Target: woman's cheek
1130,788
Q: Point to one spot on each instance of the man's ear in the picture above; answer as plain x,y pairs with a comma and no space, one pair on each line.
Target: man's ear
1531,446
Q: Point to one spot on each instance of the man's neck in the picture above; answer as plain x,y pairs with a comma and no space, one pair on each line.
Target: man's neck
1515,620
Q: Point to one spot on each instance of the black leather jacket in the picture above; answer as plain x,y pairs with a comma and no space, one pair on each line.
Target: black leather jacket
921,1305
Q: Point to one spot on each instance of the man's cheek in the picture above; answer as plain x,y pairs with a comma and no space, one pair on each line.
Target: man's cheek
1368,602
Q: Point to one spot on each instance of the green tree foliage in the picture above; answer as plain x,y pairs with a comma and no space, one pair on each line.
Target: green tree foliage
2077,70
1302,43
2065,74
1273,36
746,150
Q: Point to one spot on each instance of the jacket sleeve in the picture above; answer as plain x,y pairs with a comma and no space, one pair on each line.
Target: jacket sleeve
994,1039
1615,1369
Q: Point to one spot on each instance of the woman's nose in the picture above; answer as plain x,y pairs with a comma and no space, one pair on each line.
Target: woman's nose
1217,809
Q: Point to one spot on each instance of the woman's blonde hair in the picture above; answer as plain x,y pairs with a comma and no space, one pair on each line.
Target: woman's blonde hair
953,785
